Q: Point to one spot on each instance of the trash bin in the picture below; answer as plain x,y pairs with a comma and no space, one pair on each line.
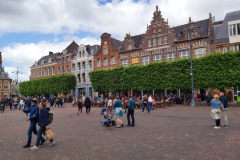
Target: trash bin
238,101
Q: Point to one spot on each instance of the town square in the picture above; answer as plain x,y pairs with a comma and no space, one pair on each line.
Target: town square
129,79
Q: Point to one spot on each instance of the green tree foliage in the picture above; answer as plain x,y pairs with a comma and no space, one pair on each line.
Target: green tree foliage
213,71
50,85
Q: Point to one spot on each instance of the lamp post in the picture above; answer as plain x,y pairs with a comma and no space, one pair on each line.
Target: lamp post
188,27
17,72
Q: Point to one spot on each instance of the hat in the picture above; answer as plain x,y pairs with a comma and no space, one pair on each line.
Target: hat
34,100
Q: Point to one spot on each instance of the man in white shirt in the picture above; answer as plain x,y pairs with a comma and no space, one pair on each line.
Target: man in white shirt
150,102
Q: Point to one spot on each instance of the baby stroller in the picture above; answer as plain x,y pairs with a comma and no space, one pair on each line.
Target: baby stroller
102,111
108,119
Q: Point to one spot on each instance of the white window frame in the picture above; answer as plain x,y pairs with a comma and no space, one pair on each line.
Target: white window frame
184,54
68,69
32,74
113,60
59,70
105,51
224,49
149,43
172,58
39,74
49,72
5,86
124,62
45,71
234,48
105,62
79,66
53,71
217,49
159,59
98,62
90,64
197,53
145,60
42,72
63,69
35,75
154,41
165,40
159,40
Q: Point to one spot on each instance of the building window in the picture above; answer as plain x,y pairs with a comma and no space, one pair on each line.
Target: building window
80,54
165,39
79,66
159,40
145,60
105,51
170,56
129,47
5,85
154,31
159,29
90,64
112,60
154,41
92,51
32,74
230,30
238,29
224,49
135,60
184,54
105,69
38,73
125,62
79,78
105,62
68,70
53,70
234,29
199,52
83,65
45,71
67,59
83,54
149,43
59,70
42,73
35,74
63,60
218,49
98,62
63,70
84,78
49,71
157,58
73,67
234,48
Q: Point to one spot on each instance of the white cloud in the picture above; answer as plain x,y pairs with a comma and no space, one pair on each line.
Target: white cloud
118,17
24,55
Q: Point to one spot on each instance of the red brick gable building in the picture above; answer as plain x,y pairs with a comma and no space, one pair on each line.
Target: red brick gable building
162,43
107,57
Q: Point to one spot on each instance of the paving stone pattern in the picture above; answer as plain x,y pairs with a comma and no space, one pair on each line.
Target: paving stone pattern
178,133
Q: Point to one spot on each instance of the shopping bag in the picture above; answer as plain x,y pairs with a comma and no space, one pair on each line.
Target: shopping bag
49,134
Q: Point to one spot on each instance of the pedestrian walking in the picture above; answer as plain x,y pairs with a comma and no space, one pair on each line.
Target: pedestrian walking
11,103
60,102
57,102
150,102
118,112
126,104
216,111
145,104
110,106
22,103
33,118
51,102
43,124
131,107
80,105
87,104
224,101
27,105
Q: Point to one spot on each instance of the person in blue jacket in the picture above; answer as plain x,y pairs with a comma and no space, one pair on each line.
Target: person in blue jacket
33,118
43,124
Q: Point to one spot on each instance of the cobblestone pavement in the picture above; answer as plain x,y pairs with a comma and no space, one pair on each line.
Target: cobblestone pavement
178,133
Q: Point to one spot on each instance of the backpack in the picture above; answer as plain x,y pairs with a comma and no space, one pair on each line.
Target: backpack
50,118
79,103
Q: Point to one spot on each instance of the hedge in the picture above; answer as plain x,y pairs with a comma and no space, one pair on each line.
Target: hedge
50,85
217,70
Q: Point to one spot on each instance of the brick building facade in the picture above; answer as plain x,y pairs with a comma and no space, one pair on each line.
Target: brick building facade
107,57
54,63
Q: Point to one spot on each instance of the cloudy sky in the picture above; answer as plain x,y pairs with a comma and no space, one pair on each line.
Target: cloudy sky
29,29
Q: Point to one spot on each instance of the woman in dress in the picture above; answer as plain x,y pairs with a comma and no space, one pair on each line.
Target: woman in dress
216,111
118,112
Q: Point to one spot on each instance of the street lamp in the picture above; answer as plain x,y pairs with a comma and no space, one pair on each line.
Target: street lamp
190,30
17,72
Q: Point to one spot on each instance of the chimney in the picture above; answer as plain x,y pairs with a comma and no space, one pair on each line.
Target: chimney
0,59
50,53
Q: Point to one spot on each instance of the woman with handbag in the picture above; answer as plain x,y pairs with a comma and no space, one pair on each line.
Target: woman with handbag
43,124
118,112
216,110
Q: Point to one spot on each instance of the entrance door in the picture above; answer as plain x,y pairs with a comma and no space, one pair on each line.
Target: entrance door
81,92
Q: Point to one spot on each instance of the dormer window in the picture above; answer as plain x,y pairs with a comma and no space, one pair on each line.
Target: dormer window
36,63
49,60
92,51
129,47
43,61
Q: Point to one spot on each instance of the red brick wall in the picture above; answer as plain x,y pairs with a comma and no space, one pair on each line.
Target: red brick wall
101,56
220,45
